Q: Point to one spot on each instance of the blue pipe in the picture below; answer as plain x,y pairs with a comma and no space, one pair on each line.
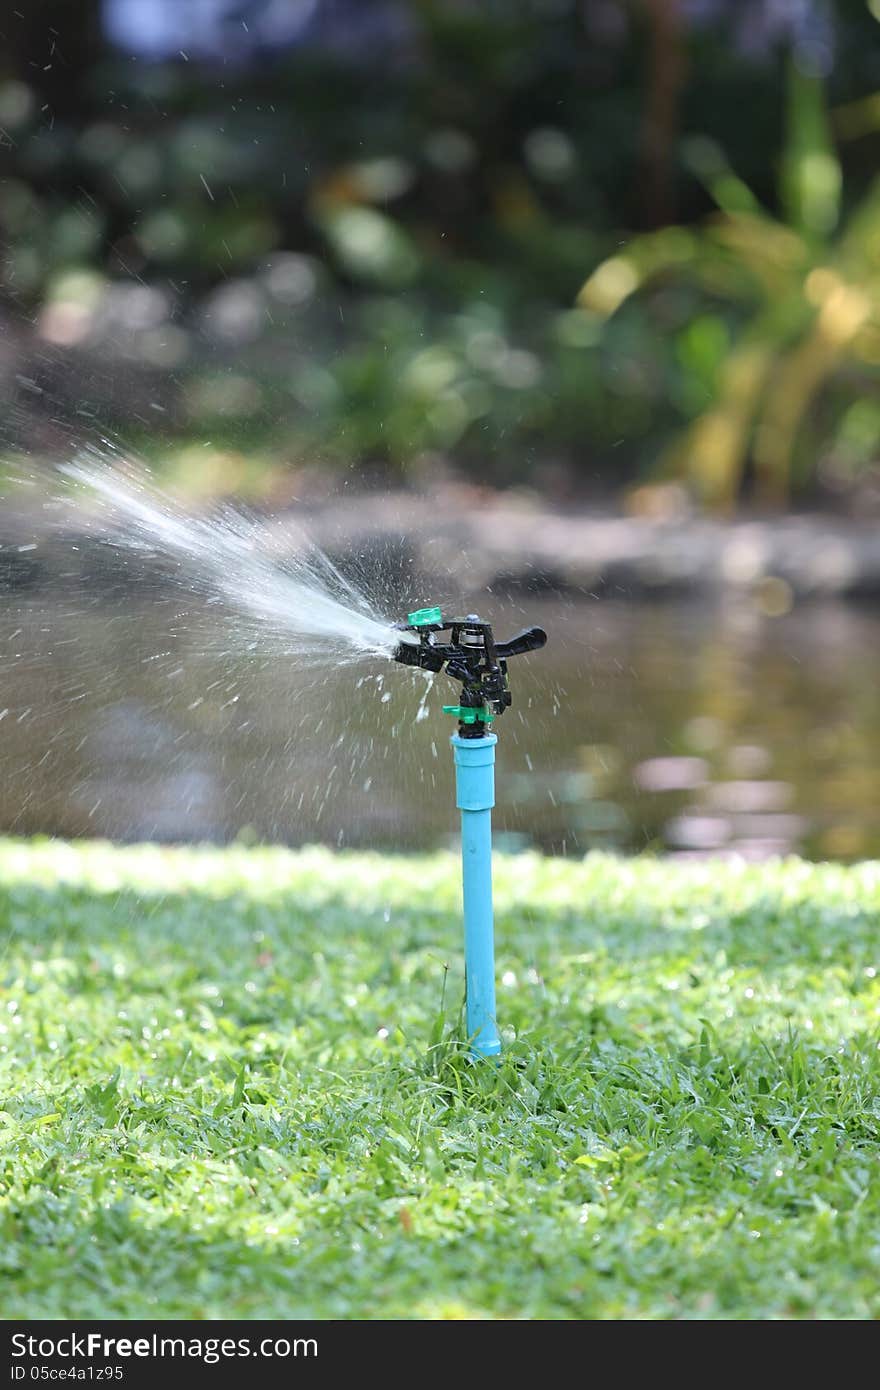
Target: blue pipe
475,797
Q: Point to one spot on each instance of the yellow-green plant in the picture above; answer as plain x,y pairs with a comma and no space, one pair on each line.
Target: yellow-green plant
808,281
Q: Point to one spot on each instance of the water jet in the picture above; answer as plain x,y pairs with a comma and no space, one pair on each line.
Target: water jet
310,606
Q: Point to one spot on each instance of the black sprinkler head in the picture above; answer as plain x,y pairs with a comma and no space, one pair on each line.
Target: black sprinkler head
470,655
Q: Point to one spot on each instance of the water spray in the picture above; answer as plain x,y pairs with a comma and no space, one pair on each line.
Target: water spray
306,603
471,655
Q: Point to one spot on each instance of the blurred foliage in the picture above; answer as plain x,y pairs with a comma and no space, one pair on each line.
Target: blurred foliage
367,245
809,285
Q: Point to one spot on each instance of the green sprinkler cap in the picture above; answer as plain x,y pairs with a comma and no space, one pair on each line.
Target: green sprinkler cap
424,617
468,715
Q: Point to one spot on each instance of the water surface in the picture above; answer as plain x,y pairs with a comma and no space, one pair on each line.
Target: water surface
144,713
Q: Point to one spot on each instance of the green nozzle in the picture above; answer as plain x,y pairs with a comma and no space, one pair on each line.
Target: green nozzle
468,715
424,617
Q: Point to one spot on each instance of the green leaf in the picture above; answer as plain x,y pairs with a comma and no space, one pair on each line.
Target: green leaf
238,1088
811,173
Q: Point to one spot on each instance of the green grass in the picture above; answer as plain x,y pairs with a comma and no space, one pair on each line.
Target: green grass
228,1088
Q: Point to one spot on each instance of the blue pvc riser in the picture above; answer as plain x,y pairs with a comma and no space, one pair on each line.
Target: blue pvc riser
475,797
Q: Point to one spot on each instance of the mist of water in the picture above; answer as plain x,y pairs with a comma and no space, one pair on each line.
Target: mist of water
299,596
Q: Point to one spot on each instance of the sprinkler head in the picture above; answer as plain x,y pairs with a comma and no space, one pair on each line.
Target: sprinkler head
470,655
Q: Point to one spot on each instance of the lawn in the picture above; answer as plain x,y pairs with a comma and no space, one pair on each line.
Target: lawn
232,1084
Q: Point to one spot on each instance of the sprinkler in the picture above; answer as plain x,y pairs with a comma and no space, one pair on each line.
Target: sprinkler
471,655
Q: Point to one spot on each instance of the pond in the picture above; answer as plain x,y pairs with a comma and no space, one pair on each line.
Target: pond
691,728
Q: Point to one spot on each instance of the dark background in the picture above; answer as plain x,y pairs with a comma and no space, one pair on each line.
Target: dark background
327,235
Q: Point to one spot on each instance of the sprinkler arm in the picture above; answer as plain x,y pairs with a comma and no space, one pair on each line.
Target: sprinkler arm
529,640
471,655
